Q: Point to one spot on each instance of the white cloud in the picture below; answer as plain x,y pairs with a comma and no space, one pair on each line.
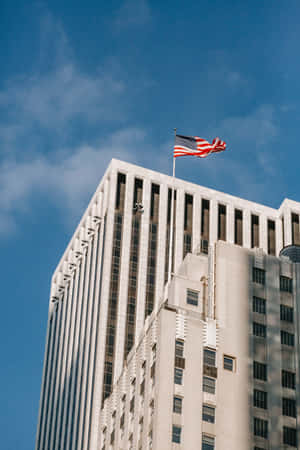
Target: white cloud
67,179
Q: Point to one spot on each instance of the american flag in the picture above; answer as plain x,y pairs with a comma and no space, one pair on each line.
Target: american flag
196,146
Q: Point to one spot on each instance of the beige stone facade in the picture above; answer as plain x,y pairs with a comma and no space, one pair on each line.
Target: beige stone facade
211,397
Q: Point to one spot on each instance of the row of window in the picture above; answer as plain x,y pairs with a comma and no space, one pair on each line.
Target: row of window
286,338
208,442
260,372
259,276
259,306
289,435
260,400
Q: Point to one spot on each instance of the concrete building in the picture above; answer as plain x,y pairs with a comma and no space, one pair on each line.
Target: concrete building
109,307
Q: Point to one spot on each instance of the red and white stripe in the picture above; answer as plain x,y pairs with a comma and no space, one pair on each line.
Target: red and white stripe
204,148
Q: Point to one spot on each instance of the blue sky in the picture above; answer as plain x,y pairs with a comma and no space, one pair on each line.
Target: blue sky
82,82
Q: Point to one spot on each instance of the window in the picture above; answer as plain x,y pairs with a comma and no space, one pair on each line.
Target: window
142,388
208,442
286,313
131,407
122,420
209,385
288,379
259,330
228,363
259,371
179,345
192,297
152,372
286,284
112,437
259,305
290,436
151,405
287,338
209,357
238,227
258,275
208,413
289,407
176,434
178,373
177,405
261,428
260,399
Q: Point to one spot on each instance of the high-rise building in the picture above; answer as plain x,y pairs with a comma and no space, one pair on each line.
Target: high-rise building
207,361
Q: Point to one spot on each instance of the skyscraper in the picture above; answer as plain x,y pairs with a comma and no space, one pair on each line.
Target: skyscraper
110,285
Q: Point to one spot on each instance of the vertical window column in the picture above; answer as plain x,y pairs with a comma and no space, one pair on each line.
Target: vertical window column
114,287
295,229
271,237
222,222
204,226
254,231
238,227
188,224
152,250
133,267
168,234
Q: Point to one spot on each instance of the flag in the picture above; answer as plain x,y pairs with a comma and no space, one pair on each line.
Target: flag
196,146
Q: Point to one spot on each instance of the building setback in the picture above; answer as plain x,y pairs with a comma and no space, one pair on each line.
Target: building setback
109,305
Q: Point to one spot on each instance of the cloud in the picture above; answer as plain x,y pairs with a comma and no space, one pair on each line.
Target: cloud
132,13
67,179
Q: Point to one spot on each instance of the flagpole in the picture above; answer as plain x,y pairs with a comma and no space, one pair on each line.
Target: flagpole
172,217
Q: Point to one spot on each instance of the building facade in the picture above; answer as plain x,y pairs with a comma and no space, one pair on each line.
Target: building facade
214,368
110,284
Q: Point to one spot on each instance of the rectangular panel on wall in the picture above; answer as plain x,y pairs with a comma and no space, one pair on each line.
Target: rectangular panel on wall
238,227
254,230
295,229
222,222
271,237
188,224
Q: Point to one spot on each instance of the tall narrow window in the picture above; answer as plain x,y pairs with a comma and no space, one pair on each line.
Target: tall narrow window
208,442
168,238
222,222
209,357
288,379
271,237
188,224
152,250
283,239
254,231
208,413
260,399
205,220
259,371
177,404
290,436
261,428
238,227
114,287
176,434
295,229
286,284
133,267
289,407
